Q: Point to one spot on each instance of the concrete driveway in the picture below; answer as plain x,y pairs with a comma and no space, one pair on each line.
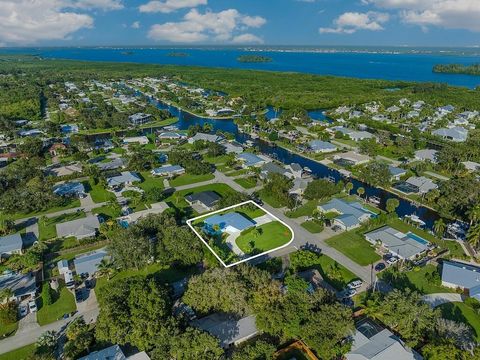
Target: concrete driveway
438,299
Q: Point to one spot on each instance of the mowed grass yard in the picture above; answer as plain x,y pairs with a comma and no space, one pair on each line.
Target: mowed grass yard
188,179
18,354
64,302
150,181
269,236
353,245
247,183
47,227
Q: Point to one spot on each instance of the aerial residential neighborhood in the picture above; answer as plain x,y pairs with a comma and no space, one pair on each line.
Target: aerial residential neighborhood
173,186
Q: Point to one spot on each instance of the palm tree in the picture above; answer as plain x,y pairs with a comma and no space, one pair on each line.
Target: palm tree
473,236
360,191
349,187
439,227
5,295
105,267
474,214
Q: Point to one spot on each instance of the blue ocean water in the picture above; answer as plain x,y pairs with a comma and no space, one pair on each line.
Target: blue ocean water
406,66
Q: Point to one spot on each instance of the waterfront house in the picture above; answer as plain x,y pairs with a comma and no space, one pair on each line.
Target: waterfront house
205,137
396,172
351,215
73,189
170,135
459,275
227,328
248,159
422,184
10,244
233,147
206,199
272,168
87,264
124,178
79,228
140,118
351,158
295,169
142,140
455,134
23,286
405,246
373,342
168,171
319,146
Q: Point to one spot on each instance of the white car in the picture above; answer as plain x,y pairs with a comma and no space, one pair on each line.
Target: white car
355,284
392,260
23,310
32,306
348,293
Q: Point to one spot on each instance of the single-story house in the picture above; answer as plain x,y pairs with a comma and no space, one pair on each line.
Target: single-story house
455,134
207,199
170,135
228,329
142,140
70,189
32,132
396,172
471,166
22,285
422,184
114,164
233,147
10,244
65,170
463,276
79,228
426,155
205,137
248,159
299,186
103,144
373,342
355,135
156,208
87,264
351,215
69,128
114,353
352,158
230,223
168,170
319,146
140,118
272,168
62,266
405,246
125,178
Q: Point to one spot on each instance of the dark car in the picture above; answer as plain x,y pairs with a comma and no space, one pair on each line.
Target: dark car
380,266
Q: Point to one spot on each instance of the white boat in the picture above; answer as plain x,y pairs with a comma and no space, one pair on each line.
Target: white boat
414,218
249,143
374,200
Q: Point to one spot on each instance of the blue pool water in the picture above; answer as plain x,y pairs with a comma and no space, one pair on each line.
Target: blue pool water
417,238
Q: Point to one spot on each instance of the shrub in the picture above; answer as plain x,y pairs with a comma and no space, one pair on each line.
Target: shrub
8,313
46,294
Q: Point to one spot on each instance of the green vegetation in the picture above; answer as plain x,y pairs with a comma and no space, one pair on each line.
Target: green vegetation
313,226
264,237
150,182
473,69
21,353
188,179
47,226
303,210
254,59
63,303
353,245
462,312
99,194
247,183
8,329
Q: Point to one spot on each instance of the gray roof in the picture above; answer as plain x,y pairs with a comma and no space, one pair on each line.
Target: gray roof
354,209
10,244
207,198
462,275
426,154
233,147
111,165
205,137
88,263
319,145
111,353
168,169
124,178
226,328
20,284
272,168
250,159
458,133
372,342
423,184
79,228
69,188
396,171
404,245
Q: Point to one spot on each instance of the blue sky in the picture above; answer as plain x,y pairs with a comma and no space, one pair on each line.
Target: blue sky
218,22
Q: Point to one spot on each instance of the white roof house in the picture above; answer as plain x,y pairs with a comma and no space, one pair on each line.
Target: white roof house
125,178
168,170
142,140
426,154
351,215
423,184
455,134
205,137
79,228
460,275
352,157
471,165
319,146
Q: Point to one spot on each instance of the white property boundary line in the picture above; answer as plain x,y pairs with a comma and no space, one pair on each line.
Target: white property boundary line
190,221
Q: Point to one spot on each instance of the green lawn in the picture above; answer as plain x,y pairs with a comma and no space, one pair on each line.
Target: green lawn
233,173
47,229
303,210
247,183
9,329
217,159
353,245
424,283
187,179
19,354
150,181
74,203
107,211
461,312
312,226
272,235
64,303
99,193
266,197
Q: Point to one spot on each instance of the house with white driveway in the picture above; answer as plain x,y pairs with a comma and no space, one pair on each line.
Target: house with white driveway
459,275
351,215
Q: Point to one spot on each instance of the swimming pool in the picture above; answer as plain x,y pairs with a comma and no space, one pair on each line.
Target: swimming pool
417,238
124,223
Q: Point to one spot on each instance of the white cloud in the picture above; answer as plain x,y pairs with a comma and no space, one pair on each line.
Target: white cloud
247,39
135,25
168,6
94,4
224,26
450,14
27,21
351,22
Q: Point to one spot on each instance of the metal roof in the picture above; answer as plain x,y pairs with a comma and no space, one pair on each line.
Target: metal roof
10,243
234,220
69,188
207,198
462,275
88,263
111,353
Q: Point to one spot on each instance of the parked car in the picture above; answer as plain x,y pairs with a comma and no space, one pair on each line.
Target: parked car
348,293
355,284
32,306
336,228
23,308
380,266
392,260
